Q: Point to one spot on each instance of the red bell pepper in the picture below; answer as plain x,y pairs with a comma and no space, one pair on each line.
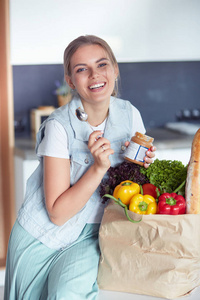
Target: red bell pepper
150,189
171,204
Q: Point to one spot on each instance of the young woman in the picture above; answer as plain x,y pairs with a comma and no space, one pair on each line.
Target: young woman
53,251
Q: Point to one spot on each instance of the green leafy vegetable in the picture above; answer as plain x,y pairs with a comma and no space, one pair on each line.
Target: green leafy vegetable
167,175
122,172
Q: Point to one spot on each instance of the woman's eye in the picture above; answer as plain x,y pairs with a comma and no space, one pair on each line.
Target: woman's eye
80,70
102,65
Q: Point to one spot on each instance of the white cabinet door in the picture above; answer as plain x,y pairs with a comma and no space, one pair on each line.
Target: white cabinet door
23,170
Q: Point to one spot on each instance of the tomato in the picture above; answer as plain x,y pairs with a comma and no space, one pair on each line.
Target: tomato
150,189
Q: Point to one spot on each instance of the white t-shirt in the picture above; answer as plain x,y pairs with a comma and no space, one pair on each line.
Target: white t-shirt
55,144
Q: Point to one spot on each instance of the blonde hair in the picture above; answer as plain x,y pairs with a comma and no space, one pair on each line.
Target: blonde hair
89,40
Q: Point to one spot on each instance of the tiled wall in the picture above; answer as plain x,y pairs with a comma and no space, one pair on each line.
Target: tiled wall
158,89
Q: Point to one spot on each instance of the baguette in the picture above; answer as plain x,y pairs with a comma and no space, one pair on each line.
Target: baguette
192,187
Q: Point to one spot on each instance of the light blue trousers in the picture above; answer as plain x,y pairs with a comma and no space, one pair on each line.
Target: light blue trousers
36,272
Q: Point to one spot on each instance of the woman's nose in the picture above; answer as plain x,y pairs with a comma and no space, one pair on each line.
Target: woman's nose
93,73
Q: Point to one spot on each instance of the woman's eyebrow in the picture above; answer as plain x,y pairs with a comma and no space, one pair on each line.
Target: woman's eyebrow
82,64
101,59
77,65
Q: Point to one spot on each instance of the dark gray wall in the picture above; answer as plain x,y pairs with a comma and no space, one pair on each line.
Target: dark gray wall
160,90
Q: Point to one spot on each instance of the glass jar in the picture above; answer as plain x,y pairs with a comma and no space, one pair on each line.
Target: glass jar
137,148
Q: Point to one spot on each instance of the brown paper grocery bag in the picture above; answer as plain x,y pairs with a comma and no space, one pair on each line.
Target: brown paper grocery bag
159,256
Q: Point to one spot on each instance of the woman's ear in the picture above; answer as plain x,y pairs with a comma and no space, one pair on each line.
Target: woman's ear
69,81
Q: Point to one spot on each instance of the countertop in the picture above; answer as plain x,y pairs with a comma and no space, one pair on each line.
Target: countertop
163,139
170,139
25,148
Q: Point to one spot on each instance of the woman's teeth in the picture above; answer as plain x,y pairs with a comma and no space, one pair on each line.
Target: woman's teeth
96,86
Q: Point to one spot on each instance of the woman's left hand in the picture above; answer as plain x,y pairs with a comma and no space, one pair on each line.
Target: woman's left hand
150,154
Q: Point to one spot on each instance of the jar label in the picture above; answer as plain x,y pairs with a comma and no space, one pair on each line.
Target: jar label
135,152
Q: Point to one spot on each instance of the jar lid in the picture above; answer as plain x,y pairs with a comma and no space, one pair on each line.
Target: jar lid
144,137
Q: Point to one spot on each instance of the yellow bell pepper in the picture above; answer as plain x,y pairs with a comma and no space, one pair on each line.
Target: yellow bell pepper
143,204
126,190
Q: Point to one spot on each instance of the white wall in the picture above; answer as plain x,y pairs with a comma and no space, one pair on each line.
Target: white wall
137,30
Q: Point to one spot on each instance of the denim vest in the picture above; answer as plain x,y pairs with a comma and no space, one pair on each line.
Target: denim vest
33,215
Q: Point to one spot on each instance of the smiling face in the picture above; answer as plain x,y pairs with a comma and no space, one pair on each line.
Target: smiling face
92,74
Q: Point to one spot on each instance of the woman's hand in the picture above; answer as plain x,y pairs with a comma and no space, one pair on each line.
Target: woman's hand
149,155
100,149
59,193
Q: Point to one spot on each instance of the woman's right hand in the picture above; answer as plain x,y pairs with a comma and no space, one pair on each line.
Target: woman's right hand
58,191
100,149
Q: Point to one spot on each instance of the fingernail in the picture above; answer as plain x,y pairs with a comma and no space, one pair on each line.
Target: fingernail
98,137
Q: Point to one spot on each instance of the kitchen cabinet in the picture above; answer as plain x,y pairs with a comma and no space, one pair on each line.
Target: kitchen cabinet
23,169
25,162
